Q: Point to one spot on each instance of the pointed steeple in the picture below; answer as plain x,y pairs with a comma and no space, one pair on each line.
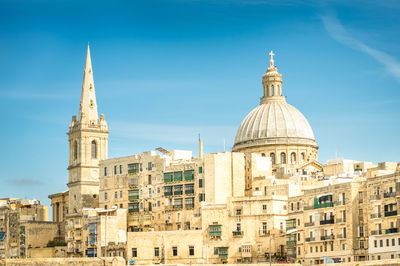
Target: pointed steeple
272,83
88,107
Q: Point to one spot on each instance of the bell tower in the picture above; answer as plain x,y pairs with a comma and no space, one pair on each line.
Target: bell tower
88,144
272,83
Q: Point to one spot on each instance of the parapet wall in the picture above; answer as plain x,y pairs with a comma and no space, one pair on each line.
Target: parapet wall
112,261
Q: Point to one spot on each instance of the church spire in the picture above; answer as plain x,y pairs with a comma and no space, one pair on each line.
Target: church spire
272,82
88,107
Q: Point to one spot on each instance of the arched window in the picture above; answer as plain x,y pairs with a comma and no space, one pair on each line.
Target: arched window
303,157
279,90
283,158
293,158
75,150
267,91
263,154
272,155
94,149
272,90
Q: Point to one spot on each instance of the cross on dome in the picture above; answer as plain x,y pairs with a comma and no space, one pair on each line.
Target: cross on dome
271,61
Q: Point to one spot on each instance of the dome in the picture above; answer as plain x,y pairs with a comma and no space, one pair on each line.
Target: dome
274,122
276,126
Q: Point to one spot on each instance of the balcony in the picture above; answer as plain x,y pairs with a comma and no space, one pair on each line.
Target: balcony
310,239
340,220
291,243
263,232
323,205
133,182
341,236
309,224
390,213
133,197
215,230
389,195
237,233
177,206
375,197
375,215
167,193
330,237
391,231
330,221
288,228
339,203
189,205
189,191
376,232
310,207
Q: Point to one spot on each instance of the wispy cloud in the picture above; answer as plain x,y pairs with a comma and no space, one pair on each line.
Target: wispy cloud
334,27
26,182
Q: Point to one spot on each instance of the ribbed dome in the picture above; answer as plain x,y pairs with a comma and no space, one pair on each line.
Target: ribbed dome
275,122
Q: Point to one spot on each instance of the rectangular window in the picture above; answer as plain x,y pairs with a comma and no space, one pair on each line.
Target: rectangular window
149,166
121,206
178,190
264,228
393,242
362,244
168,177
177,176
168,191
133,207
387,242
174,251
120,194
189,203
149,179
376,243
116,194
189,174
105,171
189,188
156,252
200,183
134,252
381,243
191,251
105,195
361,231
200,169
120,169
360,197
202,197
133,194
115,169
133,168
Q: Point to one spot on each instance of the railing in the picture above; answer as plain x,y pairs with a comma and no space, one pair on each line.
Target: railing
375,197
178,192
339,203
189,191
309,239
376,232
168,193
340,220
375,215
391,230
390,213
330,237
133,182
330,221
177,206
237,233
189,205
309,224
323,205
291,243
290,227
389,195
340,236
135,197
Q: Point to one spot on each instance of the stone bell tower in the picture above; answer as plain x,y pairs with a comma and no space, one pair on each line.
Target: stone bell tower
88,144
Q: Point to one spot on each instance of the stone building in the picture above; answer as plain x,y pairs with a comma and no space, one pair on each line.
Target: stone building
24,225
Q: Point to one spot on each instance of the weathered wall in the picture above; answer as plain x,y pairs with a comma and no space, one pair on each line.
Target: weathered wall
115,261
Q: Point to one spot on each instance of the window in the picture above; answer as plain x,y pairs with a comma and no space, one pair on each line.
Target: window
272,155
202,197
272,90
121,206
360,197
298,236
156,252
94,149
120,169
105,207
149,179
189,175
115,170
120,194
264,228
149,166
105,171
200,169
291,206
133,168
191,251
376,243
303,157
343,246
381,243
310,249
293,158
362,245
134,252
174,251
267,91
387,242
200,183
298,205
283,158
116,194
298,250
393,242
105,195
75,150
361,231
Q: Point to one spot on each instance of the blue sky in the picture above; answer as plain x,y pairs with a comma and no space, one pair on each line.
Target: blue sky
167,70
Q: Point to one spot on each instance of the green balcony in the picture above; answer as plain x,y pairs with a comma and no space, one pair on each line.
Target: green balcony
215,230
177,176
291,243
323,205
189,175
168,177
